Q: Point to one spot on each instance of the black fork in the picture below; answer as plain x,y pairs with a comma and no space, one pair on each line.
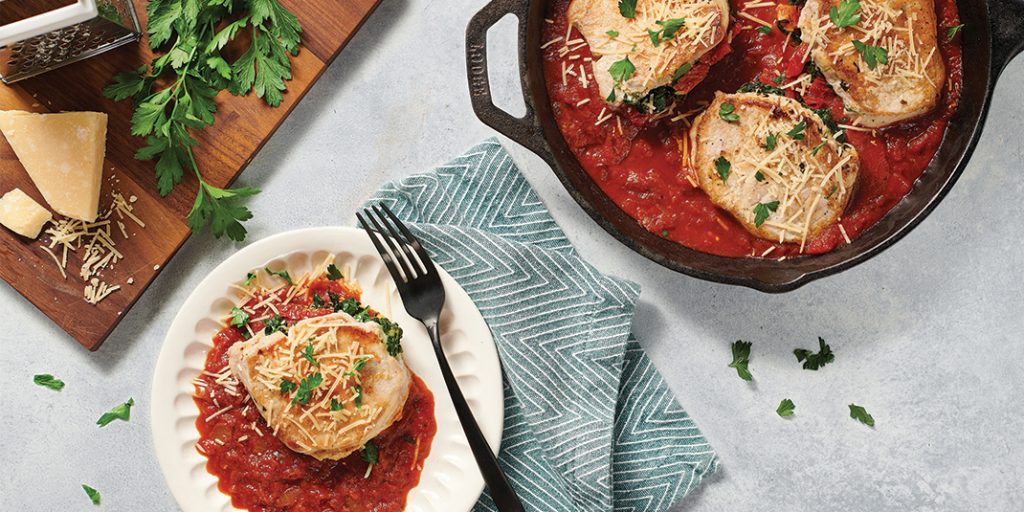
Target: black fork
423,295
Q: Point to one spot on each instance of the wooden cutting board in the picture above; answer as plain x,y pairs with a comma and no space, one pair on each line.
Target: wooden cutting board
243,125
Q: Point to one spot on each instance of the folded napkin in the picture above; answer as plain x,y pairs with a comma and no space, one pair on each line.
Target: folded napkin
590,425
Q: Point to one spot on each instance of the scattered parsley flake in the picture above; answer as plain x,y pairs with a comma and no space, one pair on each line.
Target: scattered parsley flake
94,495
306,386
764,30
333,273
621,70
727,111
669,29
249,278
763,210
239,318
359,396
797,132
283,274
861,414
287,386
953,30
48,381
786,408
307,354
627,8
741,359
814,361
845,14
680,71
121,412
872,55
336,405
758,176
369,453
816,149
276,323
723,166
770,142
612,33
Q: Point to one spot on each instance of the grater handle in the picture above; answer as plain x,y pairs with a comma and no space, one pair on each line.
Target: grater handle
81,10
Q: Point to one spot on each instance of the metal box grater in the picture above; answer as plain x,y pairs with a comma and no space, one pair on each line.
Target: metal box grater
52,39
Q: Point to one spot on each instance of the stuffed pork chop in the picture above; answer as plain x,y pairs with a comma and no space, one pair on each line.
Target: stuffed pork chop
327,387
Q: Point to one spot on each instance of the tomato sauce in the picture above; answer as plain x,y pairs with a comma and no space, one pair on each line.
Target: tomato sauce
261,474
638,161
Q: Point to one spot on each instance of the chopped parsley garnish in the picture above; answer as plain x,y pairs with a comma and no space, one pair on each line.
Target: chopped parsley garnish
359,396
727,111
94,495
627,8
814,361
48,381
360,363
333,273
249,278
786,408
723,166
741,359
758,176
816,149
798,131
307,354
621,70
287,386
763,210
861,414
845,14
282,274
121,412
306,386
669,29
239,318
655,101
664,232
872,55
764,30
770,142
680,71
392,331
953,30
275,324
761,88
317,301
612,33
369,453
336,405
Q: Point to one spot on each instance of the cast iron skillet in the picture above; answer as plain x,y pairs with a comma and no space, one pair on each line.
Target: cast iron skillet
993,35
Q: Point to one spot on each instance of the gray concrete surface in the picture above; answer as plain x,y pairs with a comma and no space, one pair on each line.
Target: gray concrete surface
927,335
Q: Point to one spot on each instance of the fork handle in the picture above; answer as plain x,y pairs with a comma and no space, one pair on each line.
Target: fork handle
504,497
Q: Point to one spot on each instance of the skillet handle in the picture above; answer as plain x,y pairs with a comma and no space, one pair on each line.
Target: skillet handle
524,130
1007,20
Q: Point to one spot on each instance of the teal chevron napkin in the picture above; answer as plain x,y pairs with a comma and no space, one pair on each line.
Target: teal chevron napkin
590,425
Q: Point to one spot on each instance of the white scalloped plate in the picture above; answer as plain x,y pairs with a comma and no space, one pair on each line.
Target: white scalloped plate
450,480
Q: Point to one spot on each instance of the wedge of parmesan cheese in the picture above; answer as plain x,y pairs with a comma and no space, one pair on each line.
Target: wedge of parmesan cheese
63,154
21,214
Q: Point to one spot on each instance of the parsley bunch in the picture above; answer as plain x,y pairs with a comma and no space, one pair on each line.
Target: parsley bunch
175,94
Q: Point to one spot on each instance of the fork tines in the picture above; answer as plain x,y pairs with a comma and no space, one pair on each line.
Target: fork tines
402,253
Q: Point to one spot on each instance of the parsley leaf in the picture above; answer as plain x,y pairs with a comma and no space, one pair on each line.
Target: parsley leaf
861,414
741,359
816,149
360,363
612,33
845,14
283,274
275,323
359,396
798,131
48,381
336,405
239,318
727,111
669,29
249,278
764,30
121,412
94,495
953,30
763,210
723,166
174,94
621,70
287,386
627,8
814,361
770,142
761,88
872,55
333,273
369,453
317,301
758,176
306,386
307,354
786,408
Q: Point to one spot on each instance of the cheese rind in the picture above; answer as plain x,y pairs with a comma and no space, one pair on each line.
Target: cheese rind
21,214
63,154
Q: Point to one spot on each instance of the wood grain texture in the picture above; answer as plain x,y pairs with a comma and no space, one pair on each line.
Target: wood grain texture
243,125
